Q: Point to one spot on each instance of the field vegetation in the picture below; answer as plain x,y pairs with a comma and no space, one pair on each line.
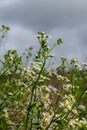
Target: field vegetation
38,98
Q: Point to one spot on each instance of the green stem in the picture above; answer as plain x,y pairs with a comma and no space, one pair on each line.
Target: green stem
34,87
50,122
76,102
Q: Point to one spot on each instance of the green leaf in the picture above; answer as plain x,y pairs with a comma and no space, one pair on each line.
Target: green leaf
59,41
31,106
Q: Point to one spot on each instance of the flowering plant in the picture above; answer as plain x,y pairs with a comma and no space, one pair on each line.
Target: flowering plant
27,102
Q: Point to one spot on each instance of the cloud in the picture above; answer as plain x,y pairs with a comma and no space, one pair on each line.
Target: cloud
20,38
46,14
59,18
6,3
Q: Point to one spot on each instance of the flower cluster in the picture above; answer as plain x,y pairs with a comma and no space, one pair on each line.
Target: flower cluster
28,102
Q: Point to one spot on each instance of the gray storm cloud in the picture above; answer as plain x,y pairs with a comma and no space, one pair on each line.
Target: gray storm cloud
59,18
45,14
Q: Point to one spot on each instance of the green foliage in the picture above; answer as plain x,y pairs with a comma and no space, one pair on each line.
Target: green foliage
28,103
3,30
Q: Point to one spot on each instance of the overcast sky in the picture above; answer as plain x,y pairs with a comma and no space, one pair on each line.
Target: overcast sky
59,18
